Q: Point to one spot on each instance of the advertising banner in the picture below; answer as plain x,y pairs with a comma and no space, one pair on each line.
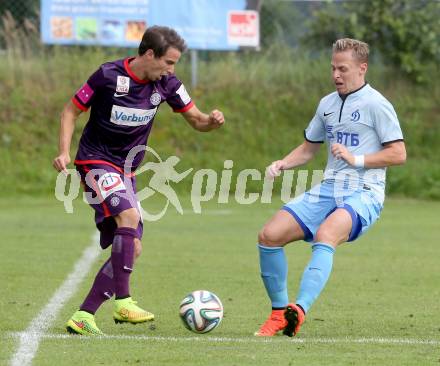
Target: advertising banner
204,24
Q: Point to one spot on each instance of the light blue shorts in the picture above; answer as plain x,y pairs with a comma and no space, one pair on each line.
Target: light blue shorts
311,208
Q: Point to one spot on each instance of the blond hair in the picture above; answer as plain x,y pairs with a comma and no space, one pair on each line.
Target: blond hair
359,49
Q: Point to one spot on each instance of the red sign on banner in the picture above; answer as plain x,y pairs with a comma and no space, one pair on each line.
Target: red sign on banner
244,28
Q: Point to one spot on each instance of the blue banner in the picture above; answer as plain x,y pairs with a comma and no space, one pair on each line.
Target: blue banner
204,24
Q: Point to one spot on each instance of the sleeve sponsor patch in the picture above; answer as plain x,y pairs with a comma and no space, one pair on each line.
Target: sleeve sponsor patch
183,94
85,93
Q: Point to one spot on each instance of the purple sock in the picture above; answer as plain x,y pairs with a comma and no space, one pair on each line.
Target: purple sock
122,260
103,289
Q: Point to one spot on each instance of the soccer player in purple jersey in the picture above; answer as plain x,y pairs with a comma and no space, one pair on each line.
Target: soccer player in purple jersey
124,97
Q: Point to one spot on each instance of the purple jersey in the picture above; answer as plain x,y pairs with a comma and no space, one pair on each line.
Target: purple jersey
122,112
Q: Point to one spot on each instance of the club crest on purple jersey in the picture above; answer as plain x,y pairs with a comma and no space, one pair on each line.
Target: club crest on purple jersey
155,98
115,201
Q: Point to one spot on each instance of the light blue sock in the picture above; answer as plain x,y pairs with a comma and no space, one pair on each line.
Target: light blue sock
315,275
273,266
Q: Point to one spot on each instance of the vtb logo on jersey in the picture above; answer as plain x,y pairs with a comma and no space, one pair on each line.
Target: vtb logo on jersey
122,84
329,130
345,138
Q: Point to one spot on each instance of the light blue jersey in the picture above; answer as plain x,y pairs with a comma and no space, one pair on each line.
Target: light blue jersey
363,121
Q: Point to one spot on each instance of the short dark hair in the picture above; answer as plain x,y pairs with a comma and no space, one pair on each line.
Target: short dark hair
159,39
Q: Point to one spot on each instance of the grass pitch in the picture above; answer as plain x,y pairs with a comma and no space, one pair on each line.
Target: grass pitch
380,306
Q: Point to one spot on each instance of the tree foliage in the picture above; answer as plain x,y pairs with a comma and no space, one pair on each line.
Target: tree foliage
406,33
19,9
278,21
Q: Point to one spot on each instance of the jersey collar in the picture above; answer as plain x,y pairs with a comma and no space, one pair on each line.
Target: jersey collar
344,96
131,73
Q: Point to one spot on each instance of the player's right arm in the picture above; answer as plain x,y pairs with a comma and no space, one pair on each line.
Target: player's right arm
297,157
67,126
80,102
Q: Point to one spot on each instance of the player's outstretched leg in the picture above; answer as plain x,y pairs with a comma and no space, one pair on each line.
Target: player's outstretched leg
102,290
273,266
126,311
83,323
313,281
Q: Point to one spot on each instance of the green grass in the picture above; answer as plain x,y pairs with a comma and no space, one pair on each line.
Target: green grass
383,286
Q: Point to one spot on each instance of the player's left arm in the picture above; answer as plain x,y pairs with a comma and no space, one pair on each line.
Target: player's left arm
203,122
393,153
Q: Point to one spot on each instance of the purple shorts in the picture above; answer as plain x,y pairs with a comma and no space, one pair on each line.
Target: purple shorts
109,192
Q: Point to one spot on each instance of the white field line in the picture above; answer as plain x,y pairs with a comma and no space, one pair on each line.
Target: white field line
210,339
30,338
205,211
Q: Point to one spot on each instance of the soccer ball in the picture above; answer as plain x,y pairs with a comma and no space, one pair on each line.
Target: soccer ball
201,311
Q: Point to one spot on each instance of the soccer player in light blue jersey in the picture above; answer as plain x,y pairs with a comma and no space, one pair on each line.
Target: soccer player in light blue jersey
363,137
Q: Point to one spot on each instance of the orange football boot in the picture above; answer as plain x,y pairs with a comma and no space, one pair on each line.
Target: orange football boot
273,325
294,317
